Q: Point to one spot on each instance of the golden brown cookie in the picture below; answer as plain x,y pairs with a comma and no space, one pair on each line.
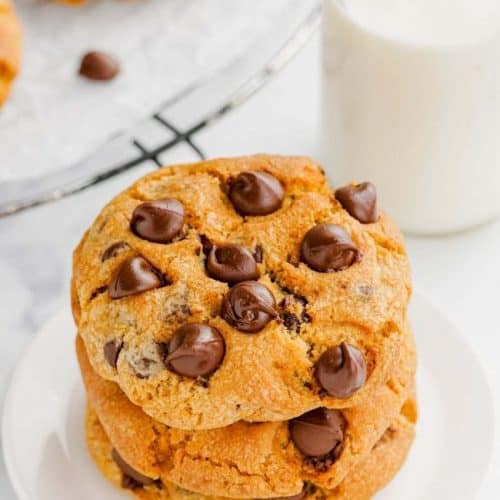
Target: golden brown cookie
245,459
364,479
10,47
319,325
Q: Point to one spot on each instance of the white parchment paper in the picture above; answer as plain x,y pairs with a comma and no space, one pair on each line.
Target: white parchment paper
55,118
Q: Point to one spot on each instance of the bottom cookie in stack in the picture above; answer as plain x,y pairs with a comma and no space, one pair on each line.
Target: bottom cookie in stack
362,482
259,460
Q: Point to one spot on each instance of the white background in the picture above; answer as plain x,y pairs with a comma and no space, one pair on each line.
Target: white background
461,273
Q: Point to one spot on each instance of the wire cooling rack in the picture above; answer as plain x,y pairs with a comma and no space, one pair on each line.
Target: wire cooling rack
177,121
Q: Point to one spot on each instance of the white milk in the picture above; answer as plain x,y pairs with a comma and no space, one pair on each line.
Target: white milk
411,101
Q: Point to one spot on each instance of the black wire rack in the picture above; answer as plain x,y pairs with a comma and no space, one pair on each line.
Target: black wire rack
180,118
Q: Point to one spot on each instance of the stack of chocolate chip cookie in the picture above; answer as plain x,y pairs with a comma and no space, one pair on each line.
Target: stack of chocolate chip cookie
242,333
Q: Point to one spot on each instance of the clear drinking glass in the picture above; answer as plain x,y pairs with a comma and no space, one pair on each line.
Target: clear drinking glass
411,102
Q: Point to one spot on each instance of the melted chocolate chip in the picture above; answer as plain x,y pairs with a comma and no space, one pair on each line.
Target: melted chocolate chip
158,221
327,248
129,471
360,201
291,321
134,276
206,244
256,193
258,255
113,250
318,432
341,370
231,264
112,351
249,307
130,484
196,350
98,291
98,66
323,463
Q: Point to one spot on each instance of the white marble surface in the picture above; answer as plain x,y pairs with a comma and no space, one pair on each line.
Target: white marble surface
461,273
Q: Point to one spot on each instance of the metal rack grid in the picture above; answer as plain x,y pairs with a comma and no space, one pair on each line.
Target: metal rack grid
181,118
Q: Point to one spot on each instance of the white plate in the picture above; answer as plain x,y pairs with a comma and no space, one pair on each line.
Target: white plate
43,435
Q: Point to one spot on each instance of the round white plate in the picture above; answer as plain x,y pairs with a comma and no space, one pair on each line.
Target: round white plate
43,432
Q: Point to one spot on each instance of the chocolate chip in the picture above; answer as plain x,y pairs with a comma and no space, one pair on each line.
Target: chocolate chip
249,307
206,244
129,471
291,321
159,221
360,201
327,248
134,276
98,66
112,351
98,291
196,350
130,484
323,463
318,432
231,264
113,250
341,370
286,302
256,193
258,254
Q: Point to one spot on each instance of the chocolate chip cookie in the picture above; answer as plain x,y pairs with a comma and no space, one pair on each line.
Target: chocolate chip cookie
361,483
245,460
242,289
10,47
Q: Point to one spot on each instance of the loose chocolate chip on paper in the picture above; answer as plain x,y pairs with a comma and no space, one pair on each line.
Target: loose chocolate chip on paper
341,370
256,193
360,201
99,66
196,350
328,248
249,306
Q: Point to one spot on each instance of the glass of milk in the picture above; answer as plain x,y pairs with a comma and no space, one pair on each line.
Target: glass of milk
411,102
